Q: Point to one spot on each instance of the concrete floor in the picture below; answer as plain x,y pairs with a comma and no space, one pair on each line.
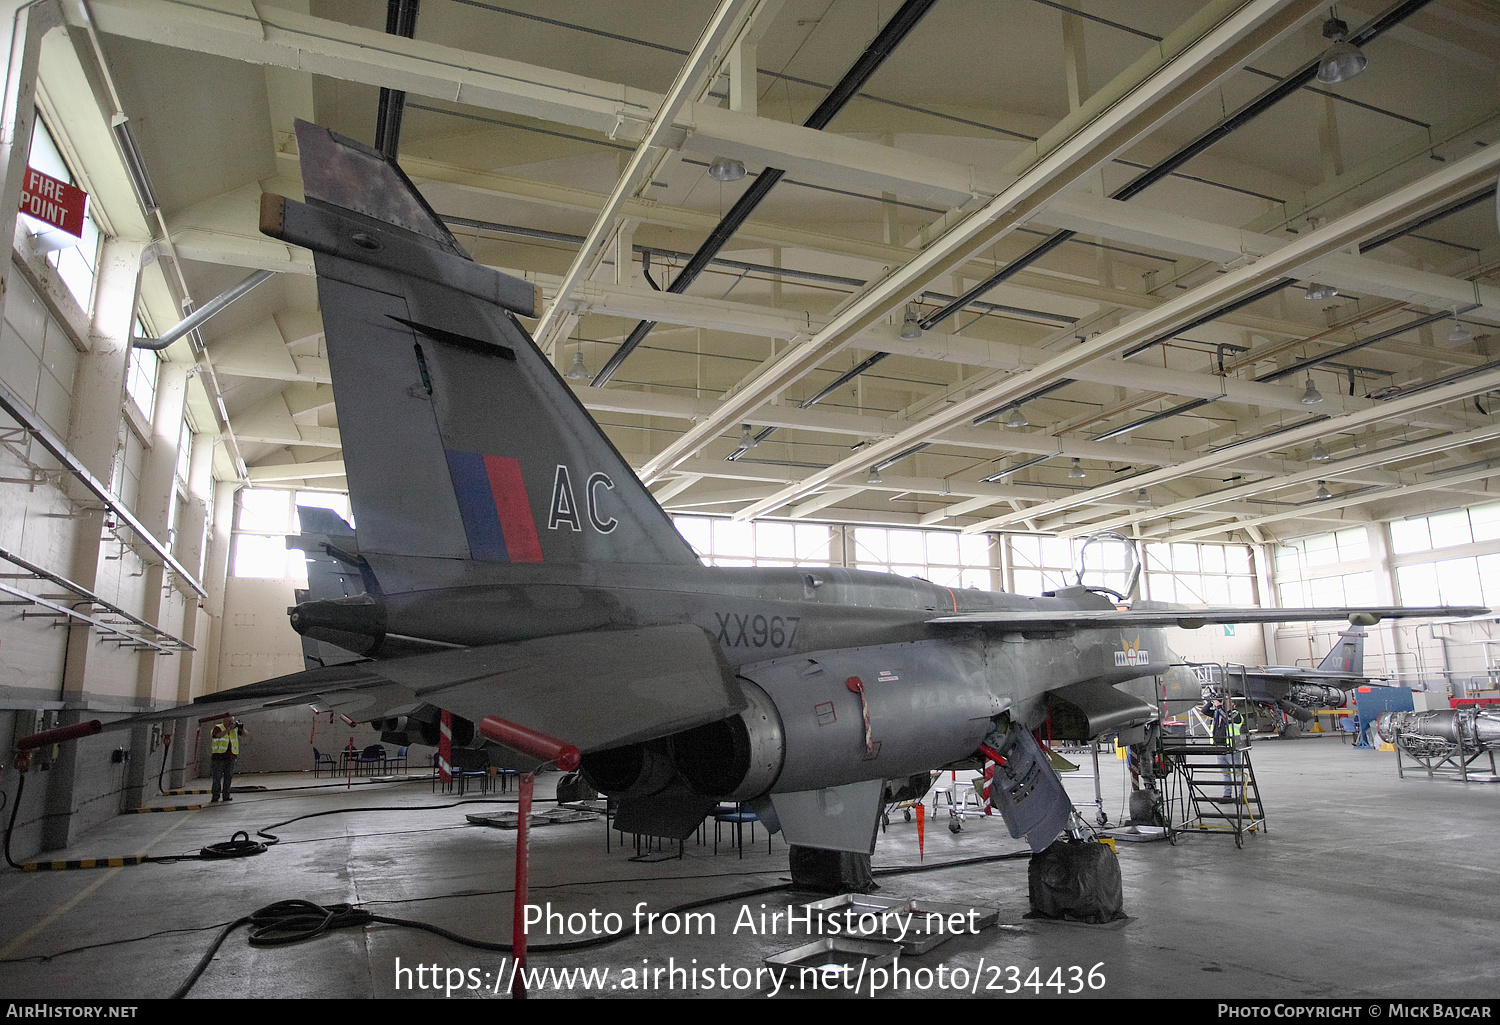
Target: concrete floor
1365,886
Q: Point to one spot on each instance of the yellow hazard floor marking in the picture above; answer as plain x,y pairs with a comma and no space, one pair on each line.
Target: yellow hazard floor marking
76,899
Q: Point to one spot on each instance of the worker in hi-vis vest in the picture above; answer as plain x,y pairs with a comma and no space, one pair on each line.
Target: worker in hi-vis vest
1228,725
224,748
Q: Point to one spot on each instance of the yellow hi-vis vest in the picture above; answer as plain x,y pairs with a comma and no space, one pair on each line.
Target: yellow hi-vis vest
227,743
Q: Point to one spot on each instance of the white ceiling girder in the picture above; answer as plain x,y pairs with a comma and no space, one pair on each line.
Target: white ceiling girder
319,470
264,34
1186,236
1138,99
833,496
1401,206
1258,446
675,487
270,422
893,485
1313,509
828,421
691,82
1328,471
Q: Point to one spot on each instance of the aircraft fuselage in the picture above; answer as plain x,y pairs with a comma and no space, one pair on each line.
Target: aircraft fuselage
757,616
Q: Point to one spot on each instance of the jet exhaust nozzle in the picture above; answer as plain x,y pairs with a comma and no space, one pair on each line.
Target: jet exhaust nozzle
737,758
636,770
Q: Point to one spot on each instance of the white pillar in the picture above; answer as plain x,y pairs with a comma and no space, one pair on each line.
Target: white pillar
93,433
158,494
215,577
1378,535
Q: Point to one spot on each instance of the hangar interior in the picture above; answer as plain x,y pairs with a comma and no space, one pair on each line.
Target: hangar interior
1028,278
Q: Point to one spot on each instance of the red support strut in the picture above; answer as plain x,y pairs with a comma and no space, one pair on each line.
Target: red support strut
547,749
58,735
518,912
46,738
529,742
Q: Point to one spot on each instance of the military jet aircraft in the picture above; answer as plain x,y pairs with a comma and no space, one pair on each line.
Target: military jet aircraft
512,564
1281,699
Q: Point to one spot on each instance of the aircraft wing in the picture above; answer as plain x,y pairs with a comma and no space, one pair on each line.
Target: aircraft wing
1191,618
592,690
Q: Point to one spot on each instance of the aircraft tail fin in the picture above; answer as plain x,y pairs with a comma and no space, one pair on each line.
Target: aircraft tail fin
460,439
1347,656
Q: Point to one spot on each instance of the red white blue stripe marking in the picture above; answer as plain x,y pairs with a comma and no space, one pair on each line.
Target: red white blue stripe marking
496,512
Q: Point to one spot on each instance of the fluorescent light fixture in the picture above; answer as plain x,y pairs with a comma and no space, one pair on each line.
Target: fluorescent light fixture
911,327
1343,60
726,169
134,165
1311,397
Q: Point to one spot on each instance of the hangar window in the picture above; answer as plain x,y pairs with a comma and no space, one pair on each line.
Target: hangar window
264,520
1465,581
1304,556
1327,592
946,558
140,380
1041,564
1199,574
1445,529
75,258
184,451
722,542
266,516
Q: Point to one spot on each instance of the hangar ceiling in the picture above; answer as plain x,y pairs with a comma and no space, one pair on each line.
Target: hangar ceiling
1149,371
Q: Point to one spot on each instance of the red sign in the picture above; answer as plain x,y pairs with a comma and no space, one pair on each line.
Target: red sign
56,202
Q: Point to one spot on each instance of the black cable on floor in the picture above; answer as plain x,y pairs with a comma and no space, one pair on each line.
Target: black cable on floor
293,921
297,920
272,838
312,920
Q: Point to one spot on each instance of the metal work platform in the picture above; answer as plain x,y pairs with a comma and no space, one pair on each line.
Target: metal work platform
1199,766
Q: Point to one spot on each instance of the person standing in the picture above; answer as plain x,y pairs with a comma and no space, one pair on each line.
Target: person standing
223,750
1228,725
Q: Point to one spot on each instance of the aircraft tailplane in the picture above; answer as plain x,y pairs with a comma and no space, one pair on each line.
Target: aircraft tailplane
1347,656
460,439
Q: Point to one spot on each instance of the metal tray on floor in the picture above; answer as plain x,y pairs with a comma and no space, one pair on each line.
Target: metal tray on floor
857,903
983,917
837,954
916,938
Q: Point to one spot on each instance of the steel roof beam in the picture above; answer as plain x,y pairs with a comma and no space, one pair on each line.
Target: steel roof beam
1458,178
692,81
1159,84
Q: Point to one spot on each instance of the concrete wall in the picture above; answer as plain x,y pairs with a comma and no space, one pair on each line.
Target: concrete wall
256,641
283,739
44,519
1245,646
